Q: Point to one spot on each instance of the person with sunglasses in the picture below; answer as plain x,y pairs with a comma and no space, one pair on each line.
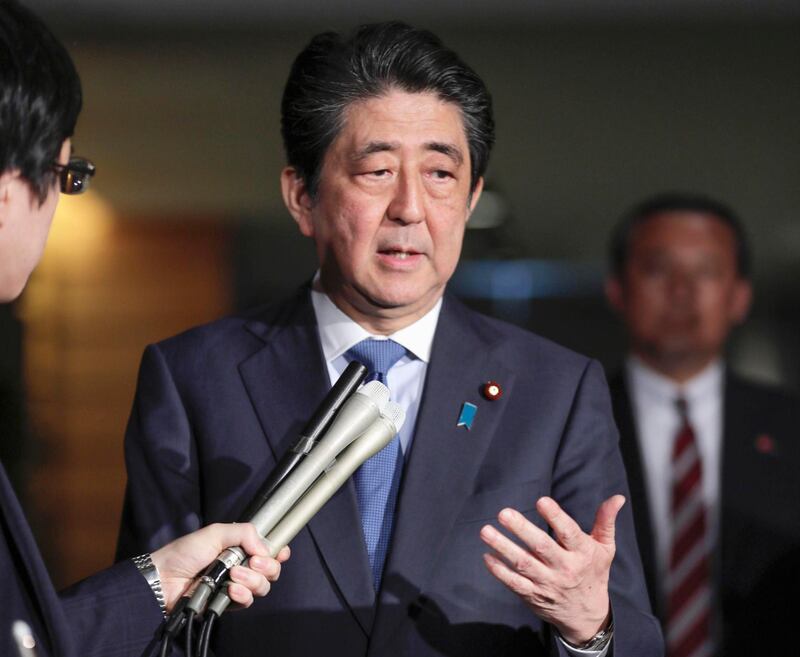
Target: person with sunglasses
119,610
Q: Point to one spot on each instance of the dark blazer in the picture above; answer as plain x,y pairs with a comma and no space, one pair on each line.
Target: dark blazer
757,564
112,613
217,405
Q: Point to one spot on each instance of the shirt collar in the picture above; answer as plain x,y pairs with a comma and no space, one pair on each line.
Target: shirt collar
338,332
703,385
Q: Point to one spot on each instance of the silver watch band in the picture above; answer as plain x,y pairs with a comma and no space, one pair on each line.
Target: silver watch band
598,641
144,563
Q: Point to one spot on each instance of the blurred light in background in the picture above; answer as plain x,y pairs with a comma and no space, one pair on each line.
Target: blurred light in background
525,279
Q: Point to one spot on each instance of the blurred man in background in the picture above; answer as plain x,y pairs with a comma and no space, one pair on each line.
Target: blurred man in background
119,610
712,458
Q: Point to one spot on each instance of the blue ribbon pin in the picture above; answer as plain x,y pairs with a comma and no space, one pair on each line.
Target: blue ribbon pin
467,416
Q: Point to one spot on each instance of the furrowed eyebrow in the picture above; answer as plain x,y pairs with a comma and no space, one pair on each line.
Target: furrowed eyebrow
374,147
450,150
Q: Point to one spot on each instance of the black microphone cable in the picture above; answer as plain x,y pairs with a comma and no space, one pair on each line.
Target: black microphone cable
190,616
205,634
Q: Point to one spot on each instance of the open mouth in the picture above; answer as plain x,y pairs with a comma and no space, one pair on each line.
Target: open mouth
401,255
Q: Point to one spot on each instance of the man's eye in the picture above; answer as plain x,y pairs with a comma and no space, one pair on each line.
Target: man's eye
441,174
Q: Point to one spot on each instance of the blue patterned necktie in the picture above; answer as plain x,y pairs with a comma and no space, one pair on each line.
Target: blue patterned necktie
378,478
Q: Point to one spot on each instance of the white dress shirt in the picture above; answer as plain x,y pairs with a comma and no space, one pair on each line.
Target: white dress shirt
406,379
657,423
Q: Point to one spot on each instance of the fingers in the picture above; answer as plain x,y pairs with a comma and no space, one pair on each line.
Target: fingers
284,554
254,580
537,542
254,583
604,522
567,531
266,566
250,540
518,558
519,584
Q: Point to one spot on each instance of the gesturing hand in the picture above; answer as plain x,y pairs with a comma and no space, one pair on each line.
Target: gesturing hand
564,579
182,560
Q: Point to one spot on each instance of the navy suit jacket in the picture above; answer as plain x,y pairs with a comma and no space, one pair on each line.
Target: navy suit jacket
111,613
757,563
216,406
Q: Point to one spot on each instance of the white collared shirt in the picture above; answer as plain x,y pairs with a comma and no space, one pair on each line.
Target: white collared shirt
657,423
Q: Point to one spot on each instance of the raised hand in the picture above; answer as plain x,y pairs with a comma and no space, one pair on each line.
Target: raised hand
563,579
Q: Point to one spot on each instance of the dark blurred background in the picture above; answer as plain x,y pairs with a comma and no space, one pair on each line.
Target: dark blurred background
598,103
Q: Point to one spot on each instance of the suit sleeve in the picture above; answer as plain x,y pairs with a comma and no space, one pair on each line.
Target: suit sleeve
162,497
588,470
112,613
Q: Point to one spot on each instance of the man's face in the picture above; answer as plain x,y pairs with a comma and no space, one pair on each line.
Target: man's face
679,293
24,226
392,204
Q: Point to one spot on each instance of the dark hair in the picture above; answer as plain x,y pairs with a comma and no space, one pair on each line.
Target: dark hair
40,97
331,73
677,202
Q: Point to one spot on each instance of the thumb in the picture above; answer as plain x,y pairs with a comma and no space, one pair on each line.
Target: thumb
603,530
240,534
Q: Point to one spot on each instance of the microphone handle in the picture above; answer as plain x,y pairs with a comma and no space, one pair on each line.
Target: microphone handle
345,386
374,439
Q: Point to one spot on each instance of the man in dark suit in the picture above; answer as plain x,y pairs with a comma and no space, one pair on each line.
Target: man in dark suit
119,610
387,136
713,477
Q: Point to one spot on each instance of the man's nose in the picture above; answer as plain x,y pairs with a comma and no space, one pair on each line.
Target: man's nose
408,202
682,286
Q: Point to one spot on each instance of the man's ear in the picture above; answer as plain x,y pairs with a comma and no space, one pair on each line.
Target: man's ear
7,178
475,196
741,301
614,293
297,200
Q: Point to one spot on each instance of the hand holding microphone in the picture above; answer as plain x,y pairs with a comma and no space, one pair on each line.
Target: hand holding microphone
347,429
179,562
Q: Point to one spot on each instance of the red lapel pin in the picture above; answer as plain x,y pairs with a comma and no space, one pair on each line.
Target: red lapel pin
492,390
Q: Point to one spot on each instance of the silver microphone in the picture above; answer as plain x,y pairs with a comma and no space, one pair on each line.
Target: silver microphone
373,440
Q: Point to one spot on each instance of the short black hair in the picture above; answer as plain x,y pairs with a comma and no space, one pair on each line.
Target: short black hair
40,97
677,202
332,72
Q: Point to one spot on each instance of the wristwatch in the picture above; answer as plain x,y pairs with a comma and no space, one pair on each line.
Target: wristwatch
144,563
598,641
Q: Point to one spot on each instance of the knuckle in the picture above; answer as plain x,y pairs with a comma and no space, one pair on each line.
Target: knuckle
523,563
539,548
274,572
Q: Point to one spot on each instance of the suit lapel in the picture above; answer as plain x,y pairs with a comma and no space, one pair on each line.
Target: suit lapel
443,462
631,456
286,380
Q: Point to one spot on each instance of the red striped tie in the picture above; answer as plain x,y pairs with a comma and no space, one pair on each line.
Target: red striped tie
688,581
